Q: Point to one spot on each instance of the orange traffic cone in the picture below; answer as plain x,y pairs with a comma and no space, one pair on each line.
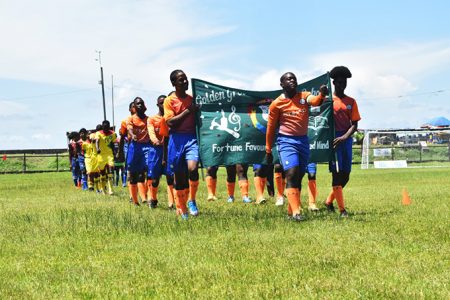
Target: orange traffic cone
406,200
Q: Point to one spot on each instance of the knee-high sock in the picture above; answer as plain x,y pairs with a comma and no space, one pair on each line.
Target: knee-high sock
259,187
142,188
154,193
90,181
312,191
279,184
149,189
134,193
170,195
97,186
180,200
193,187
339,197
210,185
243,186
109,181
214,186
293,197
230,188
330,197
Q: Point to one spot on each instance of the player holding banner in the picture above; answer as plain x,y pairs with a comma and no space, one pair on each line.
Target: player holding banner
346,117
289,113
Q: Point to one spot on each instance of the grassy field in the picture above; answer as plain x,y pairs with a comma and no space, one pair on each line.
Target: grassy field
59,242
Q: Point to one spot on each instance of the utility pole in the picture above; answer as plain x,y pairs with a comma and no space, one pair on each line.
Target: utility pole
99,59
112,99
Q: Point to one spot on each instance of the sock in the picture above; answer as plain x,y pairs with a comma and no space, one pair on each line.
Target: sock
209,185
142,188
149,189
109,182
214,186
193,187
263,185
186,195
330,197
134,193
293,197
243,186
75,182
124,177
339,197
90,182
230,188
180,200
279,183
312,191
258,187
154,193
170,195
97,183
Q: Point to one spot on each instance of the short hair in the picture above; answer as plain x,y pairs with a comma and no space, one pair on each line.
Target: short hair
98,127
130,105
83,130
282,76
174,73
340,72
137,98
161,96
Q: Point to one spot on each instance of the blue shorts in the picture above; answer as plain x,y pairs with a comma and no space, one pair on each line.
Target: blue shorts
182,147
154,162
137,157
257,166
293,151
81,163
311,168
75,168
343,155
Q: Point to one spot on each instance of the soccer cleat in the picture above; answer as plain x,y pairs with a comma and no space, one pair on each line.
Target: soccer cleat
230,199
343,214
246,199
193,210
298,218
124,184
261,201
153,203
185,216
312,207
330,207
211,198
280,201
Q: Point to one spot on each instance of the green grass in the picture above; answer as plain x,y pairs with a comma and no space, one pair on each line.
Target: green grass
59,242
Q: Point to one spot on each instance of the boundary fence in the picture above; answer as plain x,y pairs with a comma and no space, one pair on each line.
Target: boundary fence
34,161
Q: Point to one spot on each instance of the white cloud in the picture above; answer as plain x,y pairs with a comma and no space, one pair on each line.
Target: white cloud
10,108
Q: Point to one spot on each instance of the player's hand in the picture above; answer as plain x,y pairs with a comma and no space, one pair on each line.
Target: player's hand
338,141
269,158
324,90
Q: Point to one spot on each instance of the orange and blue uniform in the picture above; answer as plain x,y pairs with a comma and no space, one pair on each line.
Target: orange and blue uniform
157,131
183,140
138,150
290,115
345,112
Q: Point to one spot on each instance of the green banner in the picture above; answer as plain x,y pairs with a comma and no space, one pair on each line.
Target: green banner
231,123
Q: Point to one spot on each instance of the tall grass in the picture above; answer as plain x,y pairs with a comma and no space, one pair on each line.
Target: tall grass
59,242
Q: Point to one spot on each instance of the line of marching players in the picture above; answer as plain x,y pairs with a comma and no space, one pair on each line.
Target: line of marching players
166,144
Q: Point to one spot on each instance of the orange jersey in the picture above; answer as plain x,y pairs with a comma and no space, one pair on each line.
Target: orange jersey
290,115
174,106
123,127
345,111
155,125
139,128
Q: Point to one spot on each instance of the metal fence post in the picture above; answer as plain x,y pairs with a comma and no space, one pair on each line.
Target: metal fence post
24,162
57,162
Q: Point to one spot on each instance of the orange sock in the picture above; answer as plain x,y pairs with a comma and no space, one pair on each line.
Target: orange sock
312,191
243,186
193,187
142,188
209,185
230,188
258,187
214,186
180,199
339,197
154,193
279,184
149,189
134,193
170,195
263,185
330,197
293,197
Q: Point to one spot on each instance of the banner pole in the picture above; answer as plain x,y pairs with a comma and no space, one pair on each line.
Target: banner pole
197,131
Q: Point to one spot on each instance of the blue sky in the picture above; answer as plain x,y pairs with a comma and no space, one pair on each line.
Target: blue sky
398,52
